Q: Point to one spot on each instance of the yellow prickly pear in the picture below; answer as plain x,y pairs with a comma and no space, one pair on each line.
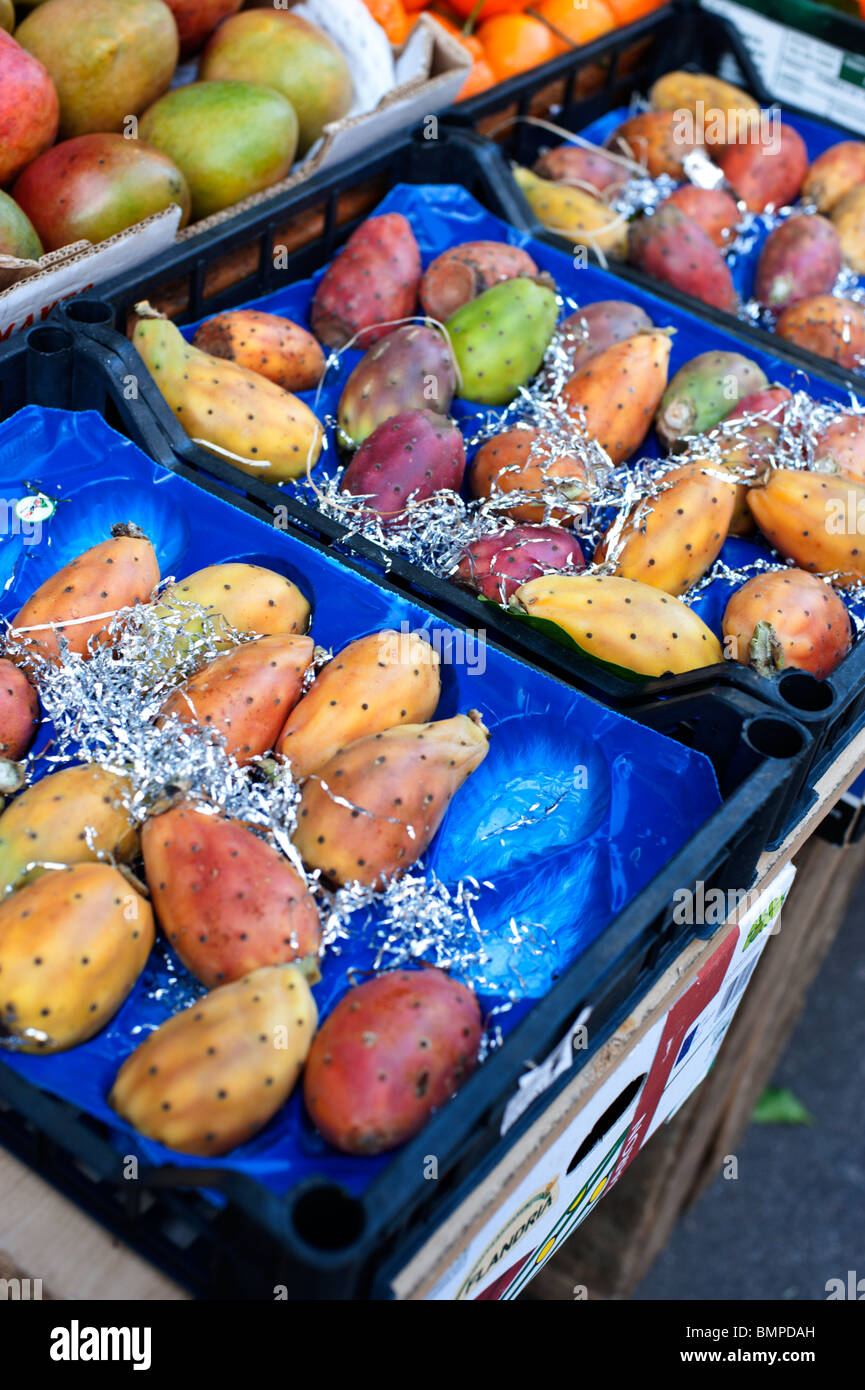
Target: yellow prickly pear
210,1077
813,519
248,598
373,684
72,946
623,622
70,817
373,808
574,213
228,409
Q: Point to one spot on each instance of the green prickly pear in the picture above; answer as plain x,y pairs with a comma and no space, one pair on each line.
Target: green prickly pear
499,339
373,808
703,392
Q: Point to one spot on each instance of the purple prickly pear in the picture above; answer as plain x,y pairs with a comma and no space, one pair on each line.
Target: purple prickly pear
410,369
497,565
414,454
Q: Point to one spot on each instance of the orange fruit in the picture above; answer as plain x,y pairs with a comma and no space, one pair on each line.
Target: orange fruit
480,79
513,43
581,21
491,8
626,11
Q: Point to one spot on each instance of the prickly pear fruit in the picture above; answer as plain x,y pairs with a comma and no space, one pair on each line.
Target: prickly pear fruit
703,392
840,449
412,455
617,391
827,325
230,411
394,1049
834,173
248,598
787,618
72,946
766,173
463,272
69,817
246,693
266,344
574,214
19,711
591,169
497,565
713,209
409,369
373,684
800,258
656,140
848,217
372,809
212,1076
227,902
673,248
598,326
373,282
526,461
673,544
682,91
813,519
744,442
623,622
115,574
499,339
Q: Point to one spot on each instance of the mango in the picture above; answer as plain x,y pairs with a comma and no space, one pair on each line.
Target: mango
197,19
29,108
18,236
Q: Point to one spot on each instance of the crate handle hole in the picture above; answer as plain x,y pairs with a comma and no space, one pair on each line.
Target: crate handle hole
805,692
326,1218
773,738
48,341
89,311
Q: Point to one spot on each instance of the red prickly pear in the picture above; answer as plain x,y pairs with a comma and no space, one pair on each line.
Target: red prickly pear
373,281
673,248
656,140
246,693
828,326
787,618
411,368
413,455
463,272
841,448
800,258
591,169
371,811
743,442
526,461
227,901
598,326
713,209
496,566
393,1050
617,392
766,173
19,712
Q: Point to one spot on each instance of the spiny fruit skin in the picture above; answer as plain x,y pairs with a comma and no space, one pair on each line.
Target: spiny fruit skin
812,519
393,1050
463,272
47,822
673,545
673,248
834,173
577,165
409,369
19,711
497,565
211,1077
525,460
704,391
711,208
654,140
72,946
840,448
828,326
847,221
573,213
499,339
228,409
766,172
618,391
414,454
227,901
400,783
742,446
373,281
800,258
266,344
248,598
623,621
795,616
598,326
375,683
246,693
115,574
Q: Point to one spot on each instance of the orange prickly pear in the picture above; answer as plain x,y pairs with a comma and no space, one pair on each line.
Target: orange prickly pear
526,461
394,1049
622,621
70,817
213,1075
19,711
72,946
225,899
743,443
373,684
246,693
248,598
619,389
834,173
814,519
787,618
463,272
373,808
656,140
79,601
272,346
827,325
713,209
373,282
841,448
766,173
671,545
